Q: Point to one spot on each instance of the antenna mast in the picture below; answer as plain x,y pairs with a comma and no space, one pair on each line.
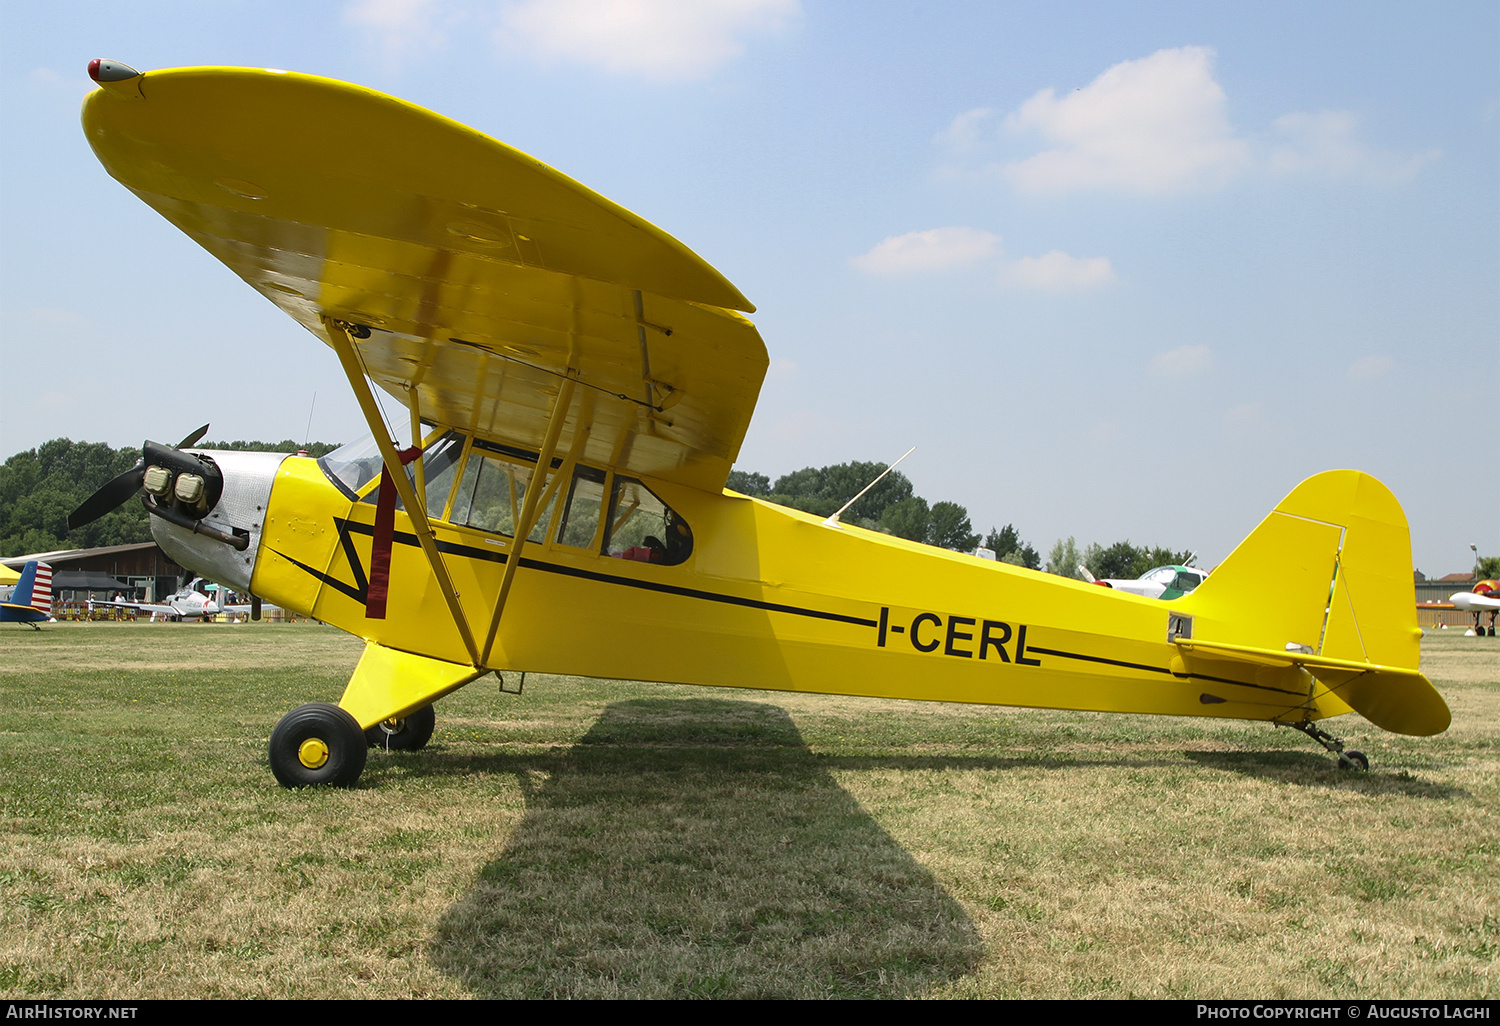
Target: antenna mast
833,521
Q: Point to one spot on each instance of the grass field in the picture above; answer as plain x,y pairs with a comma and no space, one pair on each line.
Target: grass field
602,839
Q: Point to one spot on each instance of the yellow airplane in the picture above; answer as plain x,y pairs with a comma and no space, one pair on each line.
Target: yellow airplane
578,384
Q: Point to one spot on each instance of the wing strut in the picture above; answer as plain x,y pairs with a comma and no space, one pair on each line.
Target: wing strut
343,344
529,507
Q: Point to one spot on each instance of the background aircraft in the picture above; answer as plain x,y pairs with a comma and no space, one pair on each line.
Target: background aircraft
31,601
1164,582
1483,598
187,603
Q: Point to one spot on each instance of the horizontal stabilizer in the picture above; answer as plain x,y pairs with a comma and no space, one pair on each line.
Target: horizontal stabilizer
1395,699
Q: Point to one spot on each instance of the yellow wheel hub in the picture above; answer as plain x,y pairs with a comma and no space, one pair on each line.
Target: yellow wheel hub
312,753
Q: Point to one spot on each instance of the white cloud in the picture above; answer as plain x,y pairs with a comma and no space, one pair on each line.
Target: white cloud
662,40
963,132
941,249
1160,125
1369,368
1182,362
1057,272
1152,125
936,249
398,28
1324,144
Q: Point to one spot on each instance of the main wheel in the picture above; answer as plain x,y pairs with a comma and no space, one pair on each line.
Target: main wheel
409,733
316,744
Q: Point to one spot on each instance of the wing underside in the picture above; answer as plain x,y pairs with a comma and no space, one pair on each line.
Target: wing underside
483,276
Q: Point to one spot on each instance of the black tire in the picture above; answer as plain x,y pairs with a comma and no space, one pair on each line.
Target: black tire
407,734
323,735
1354,760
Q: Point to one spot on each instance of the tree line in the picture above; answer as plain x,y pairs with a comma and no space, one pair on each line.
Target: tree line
892,507
40,487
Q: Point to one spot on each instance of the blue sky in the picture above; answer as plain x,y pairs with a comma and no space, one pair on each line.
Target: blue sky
1119,271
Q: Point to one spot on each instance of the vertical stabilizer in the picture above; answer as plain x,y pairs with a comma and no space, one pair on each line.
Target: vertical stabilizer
1328,570
21,595
1325,583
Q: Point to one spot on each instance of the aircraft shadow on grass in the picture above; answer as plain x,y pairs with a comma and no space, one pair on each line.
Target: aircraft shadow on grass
698,848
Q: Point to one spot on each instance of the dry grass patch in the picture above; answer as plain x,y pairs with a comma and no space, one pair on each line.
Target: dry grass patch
596,838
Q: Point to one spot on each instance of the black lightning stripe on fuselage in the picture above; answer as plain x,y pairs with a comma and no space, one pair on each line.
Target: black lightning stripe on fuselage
348,527
357,592
1160,669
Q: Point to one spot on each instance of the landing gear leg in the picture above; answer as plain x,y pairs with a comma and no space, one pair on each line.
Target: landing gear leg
1350,760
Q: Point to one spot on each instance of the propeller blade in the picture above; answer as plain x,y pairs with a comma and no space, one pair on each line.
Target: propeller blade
194,438
115,493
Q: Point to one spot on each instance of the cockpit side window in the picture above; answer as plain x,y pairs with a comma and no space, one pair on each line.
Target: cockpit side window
488,492
1187,580
579,526
644,528
491,494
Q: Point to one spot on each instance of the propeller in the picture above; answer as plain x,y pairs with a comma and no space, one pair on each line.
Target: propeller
114,494
192,439
121,489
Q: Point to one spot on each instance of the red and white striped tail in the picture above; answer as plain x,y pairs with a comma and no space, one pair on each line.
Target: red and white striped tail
41,591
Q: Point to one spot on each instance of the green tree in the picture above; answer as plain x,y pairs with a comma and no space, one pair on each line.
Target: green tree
758,485
1008,548
1120,561
948,528
907,519
823,490
1489,568
1124,561
314,449
41,486
1003,542
1064,559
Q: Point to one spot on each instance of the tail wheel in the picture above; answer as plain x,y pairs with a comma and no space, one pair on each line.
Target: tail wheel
317,744
408,733
1353,760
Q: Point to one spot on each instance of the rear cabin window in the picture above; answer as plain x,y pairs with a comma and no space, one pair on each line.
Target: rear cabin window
644,528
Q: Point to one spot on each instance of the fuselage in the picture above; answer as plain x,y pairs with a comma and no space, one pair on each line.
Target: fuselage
767,597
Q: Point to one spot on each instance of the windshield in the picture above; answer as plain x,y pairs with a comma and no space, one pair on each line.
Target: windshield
351,466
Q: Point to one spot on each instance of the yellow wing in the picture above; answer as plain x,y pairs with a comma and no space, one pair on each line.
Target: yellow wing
483,274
